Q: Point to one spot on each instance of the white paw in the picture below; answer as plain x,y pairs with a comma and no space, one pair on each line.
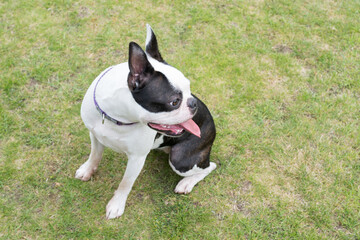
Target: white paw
115,208
85,172
185,185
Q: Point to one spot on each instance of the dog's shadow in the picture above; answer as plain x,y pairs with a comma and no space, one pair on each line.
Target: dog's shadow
156,175
158,171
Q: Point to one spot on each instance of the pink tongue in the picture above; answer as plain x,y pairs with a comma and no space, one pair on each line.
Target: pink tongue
191,127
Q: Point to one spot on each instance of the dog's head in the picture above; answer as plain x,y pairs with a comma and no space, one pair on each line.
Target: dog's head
161,90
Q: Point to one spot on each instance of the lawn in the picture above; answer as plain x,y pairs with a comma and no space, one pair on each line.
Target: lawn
281,78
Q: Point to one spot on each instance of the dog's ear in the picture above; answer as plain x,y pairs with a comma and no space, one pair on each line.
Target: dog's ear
140,67
152,45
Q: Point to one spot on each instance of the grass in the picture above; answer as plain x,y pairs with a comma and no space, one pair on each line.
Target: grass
281,79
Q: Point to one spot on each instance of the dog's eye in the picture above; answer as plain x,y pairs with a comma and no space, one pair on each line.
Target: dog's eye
175,102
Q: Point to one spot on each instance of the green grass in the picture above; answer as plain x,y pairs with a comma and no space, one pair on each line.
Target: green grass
281,79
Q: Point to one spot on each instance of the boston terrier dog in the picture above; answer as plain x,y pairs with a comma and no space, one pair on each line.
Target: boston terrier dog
145,104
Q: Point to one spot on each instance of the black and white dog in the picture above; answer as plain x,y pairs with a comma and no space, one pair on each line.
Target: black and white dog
145,104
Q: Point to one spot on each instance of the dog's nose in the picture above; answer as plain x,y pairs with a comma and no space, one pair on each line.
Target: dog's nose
192,104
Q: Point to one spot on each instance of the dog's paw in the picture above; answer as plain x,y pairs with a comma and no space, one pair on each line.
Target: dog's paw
115,208
85,172
185,185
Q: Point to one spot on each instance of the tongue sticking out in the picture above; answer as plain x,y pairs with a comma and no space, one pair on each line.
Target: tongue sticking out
177,129
191,127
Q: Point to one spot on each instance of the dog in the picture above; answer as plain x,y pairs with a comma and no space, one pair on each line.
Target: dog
146,104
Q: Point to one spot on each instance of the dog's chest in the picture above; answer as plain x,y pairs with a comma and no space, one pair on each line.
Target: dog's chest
159,139
125,138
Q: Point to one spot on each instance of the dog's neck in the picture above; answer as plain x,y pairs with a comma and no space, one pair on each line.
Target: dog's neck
102,112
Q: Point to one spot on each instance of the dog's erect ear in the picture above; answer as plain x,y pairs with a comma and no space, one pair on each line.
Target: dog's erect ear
152,45
140,67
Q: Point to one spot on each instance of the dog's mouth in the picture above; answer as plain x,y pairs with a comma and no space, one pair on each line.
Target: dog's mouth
177,130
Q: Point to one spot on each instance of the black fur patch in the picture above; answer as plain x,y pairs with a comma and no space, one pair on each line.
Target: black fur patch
157,94
153,50
188,150
150,89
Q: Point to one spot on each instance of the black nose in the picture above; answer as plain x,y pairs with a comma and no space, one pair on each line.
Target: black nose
192,104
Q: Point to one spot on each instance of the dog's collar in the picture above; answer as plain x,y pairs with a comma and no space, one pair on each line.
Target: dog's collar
104,114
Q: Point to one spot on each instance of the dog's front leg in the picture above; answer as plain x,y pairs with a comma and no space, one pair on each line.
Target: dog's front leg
115,207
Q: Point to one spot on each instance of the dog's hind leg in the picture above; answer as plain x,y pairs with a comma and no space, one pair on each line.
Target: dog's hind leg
86,170
192,177
194,165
